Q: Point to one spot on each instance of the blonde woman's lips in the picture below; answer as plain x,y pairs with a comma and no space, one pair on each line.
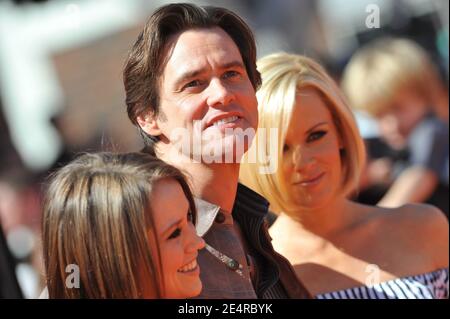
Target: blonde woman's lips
310,182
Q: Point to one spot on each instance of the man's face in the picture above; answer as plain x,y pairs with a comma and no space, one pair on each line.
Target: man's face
205,92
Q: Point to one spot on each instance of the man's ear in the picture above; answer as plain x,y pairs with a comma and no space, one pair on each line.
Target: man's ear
149,124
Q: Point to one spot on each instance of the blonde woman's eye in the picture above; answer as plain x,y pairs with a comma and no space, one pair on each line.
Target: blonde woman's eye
314,136
285,148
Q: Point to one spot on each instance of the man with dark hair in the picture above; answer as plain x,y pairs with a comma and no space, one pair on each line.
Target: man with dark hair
192,73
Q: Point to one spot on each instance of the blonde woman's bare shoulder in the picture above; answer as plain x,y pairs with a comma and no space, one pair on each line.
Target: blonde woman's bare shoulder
422,227
423,217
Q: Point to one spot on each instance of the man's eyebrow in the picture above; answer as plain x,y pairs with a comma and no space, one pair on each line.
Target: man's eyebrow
188,75
233,64
192,74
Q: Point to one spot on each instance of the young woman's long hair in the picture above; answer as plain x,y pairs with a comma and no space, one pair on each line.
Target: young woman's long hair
98,221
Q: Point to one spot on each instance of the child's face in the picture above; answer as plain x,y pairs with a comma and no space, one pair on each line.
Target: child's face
405,111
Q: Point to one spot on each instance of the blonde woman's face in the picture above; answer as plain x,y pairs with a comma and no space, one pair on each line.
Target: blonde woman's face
311,159
179,243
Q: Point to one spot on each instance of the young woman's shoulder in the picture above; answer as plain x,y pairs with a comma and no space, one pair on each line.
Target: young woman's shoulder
421,227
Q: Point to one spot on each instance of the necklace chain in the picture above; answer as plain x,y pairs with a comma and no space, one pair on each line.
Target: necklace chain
231,263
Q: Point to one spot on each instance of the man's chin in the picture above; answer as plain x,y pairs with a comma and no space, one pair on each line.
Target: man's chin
225,157
227,150
224,149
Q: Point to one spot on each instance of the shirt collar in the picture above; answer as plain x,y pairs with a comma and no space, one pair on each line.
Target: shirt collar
206,215
247,200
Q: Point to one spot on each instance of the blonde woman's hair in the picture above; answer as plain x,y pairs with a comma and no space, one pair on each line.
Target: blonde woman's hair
381,68
98,216
283,76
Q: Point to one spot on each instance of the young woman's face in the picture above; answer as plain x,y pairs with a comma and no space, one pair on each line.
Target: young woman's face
179,243
311,158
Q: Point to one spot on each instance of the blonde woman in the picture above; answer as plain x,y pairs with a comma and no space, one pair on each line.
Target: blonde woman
339,248
120,226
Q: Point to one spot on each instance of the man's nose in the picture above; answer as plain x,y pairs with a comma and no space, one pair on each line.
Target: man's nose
219,94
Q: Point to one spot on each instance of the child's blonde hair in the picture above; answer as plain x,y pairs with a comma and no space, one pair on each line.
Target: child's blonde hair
383,67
